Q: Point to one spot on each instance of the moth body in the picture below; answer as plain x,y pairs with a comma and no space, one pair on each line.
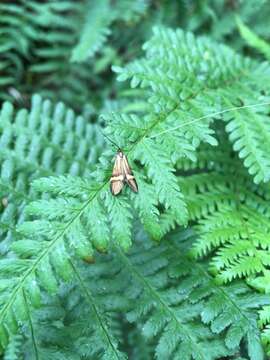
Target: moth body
122,174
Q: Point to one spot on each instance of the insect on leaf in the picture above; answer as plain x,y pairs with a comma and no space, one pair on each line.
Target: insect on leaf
122,174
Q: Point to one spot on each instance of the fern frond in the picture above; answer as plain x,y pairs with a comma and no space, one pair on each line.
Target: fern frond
177,77
95,30
85,313
161,283
252,39
240,236
14,348
37,160
48,151
102,337
233,221
179,305
250,138
80,277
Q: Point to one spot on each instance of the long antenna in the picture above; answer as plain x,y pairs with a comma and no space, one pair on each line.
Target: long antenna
207,116
110,140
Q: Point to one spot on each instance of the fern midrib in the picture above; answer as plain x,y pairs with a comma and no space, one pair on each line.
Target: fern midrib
31,325
155,294
95,308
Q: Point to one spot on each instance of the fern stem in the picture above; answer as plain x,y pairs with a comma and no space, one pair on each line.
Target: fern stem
96,311
31,325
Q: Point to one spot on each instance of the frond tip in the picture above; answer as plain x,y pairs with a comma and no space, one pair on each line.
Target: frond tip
95,30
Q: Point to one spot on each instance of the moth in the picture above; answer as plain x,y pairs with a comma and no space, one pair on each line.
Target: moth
122,174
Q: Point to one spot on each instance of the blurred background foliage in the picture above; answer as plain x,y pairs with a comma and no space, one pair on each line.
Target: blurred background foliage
44,45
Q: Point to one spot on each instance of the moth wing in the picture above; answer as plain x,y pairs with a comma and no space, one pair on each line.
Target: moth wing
117,167
117,179
116,186
132,183
129,177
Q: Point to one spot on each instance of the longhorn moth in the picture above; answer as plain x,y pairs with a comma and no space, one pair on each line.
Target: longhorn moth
122,173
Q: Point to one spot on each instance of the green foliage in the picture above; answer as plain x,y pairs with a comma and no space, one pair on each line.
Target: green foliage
178,300
166,294
253,40
233,220
173,74
87,275
232,217
14,348
41,40
95,31
41,148
220,16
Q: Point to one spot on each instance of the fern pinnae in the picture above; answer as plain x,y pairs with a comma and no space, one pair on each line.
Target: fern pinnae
173,279
14,347
35,264
141,279
93,37
212,307
236,229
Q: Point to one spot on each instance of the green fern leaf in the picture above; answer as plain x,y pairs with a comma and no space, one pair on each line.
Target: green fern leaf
252,39
95,30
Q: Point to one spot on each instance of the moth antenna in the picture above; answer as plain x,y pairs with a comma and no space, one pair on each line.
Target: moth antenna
111,141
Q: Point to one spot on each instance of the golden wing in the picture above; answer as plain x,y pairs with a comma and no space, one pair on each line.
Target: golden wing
117,179
129,177
116,186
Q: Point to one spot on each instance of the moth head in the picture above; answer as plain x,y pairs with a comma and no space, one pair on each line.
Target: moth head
120,152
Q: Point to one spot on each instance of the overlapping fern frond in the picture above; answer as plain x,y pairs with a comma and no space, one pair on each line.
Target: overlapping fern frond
40,143
233,220
176,304
233,217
